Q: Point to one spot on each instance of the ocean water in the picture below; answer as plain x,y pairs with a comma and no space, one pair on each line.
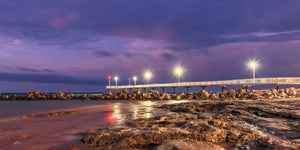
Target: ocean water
76,93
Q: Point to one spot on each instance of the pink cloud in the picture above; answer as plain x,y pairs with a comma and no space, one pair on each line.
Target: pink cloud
60,22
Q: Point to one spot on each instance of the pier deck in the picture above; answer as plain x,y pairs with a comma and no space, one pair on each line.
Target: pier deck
239,82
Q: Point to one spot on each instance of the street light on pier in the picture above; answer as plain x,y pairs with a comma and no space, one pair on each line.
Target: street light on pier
109,77
178,72
253,65
134,79
148,76
116,80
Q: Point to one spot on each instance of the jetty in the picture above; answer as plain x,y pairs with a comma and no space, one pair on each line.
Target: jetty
277,81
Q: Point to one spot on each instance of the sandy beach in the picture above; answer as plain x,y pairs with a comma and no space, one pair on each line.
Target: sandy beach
66,130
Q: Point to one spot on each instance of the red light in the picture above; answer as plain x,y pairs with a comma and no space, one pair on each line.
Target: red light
109,76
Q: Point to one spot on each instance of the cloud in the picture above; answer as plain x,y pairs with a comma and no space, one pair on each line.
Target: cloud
168,56
185,27
60,22
104,54
48,70
260,34
28,69
24,69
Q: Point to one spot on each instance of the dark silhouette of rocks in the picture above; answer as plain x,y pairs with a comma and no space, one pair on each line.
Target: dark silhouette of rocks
238,94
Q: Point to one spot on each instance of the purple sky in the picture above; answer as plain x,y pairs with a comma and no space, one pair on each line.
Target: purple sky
72,45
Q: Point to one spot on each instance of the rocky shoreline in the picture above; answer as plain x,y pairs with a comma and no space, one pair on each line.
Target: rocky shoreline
238,94
242,125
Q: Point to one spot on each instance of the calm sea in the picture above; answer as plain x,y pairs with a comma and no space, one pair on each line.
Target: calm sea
23,94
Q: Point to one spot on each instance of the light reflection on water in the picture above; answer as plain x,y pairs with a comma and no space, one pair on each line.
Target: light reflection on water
119,113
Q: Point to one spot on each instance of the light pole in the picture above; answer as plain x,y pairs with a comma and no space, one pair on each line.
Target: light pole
134,79
129,81
109,77
253,65
178,72
147,75
116,80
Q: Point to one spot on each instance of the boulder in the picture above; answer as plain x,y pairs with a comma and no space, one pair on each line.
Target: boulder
231,94
291,92
213,97
203,94
36,92
166,96
221,95
14,97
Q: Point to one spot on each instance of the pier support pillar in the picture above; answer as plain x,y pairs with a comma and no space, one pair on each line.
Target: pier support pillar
174,90
277,87
223,87
163,90
203,87
246,88
187,90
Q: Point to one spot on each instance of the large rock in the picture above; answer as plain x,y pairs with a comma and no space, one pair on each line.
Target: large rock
213,97
166,96
187,144
203,94
291,92
231,94
221,95
36,92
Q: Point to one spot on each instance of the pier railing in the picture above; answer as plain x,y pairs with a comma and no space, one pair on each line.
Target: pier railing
238,82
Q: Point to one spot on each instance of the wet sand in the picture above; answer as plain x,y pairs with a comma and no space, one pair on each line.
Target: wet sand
66,130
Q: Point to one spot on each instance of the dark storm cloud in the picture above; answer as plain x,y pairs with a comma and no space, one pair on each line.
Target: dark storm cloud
104,54
23,69
46,78
168,56
49,70
185,24
28,69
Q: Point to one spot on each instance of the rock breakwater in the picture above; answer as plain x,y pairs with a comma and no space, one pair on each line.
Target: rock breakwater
238,94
